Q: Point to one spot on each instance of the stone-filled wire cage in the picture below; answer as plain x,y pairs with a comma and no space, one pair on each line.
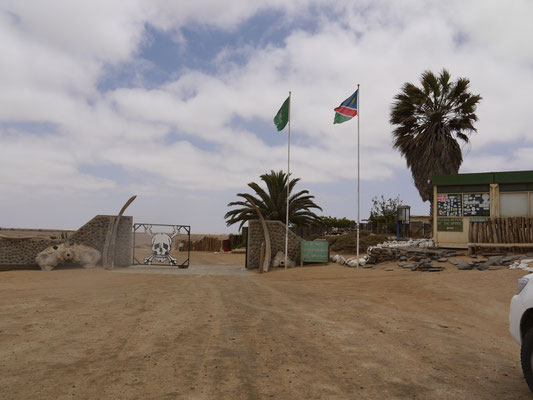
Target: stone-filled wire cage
20,253
276,231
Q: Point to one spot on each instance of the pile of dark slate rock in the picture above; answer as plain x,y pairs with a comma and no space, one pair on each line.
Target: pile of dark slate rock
493,262
431,259
413,258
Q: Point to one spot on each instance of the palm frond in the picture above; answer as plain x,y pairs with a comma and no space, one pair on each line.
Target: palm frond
272,202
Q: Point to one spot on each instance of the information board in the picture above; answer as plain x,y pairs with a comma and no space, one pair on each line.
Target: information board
449,224
476,205
449,205
315,251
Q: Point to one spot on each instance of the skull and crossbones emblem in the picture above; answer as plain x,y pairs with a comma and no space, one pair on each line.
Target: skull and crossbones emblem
161,246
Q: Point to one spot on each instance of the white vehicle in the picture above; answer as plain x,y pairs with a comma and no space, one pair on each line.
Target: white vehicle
521,324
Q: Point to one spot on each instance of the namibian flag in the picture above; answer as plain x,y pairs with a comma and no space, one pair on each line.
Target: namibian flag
347,110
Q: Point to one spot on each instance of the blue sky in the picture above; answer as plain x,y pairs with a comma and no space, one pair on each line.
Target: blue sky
173,101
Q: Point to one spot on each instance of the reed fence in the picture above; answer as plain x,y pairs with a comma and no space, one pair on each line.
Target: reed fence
511,232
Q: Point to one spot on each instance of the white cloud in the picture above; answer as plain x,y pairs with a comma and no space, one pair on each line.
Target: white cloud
181,134
42,163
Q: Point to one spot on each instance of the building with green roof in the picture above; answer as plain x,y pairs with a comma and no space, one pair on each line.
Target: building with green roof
459,199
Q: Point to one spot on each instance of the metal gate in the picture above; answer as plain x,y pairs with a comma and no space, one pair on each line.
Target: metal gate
161,244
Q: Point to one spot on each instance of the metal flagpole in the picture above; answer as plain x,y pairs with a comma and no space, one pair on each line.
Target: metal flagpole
288,184
358,170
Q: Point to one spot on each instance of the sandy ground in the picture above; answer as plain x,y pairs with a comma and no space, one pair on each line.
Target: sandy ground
217,331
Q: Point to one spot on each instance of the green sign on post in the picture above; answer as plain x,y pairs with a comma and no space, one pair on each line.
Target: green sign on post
449,224
315,251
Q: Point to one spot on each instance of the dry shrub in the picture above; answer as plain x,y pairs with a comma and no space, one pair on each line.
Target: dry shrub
347,243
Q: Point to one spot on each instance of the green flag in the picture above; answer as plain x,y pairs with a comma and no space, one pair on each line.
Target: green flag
282,117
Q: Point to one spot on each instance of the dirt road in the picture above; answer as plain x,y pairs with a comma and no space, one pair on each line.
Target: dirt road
324,332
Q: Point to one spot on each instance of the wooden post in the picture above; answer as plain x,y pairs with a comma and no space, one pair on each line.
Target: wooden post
494,232
494,198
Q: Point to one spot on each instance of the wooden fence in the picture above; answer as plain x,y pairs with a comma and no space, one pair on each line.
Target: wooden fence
208,243
205,244
511,232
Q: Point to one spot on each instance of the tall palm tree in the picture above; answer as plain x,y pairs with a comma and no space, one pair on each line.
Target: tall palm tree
272,202
429,120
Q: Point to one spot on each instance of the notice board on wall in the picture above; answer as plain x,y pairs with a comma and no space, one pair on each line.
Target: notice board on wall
449,205
476,205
